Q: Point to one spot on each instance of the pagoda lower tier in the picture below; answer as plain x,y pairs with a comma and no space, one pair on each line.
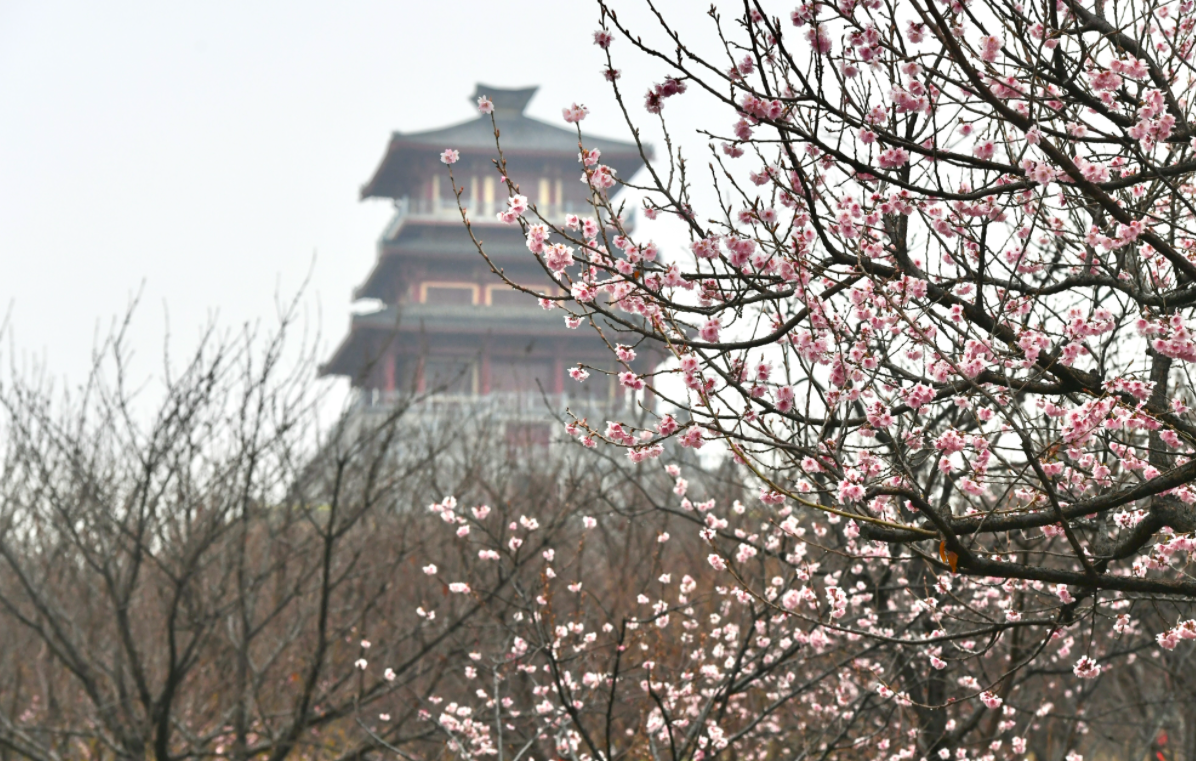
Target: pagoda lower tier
471,350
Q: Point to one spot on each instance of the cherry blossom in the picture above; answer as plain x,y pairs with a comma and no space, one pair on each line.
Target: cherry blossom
893,158
575,113
1087,668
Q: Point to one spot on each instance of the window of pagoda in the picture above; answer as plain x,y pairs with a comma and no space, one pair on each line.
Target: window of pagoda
449,293
503,295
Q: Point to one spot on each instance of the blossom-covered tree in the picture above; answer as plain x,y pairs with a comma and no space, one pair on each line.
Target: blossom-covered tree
938,317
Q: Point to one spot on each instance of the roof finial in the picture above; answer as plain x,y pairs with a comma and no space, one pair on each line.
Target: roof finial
506,100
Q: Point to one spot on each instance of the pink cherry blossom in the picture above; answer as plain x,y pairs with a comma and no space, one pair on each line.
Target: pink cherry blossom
709,331
558,256
602,177
990,48
1087,668
1105,80
893,158
984,150
575,113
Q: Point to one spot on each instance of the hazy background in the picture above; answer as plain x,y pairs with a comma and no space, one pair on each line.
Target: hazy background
209,157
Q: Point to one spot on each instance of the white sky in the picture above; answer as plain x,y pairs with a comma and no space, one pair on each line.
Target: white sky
210,155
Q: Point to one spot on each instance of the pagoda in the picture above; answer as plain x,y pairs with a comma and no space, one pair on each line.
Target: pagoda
449,329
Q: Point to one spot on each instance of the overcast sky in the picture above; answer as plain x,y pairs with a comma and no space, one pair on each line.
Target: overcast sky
209,155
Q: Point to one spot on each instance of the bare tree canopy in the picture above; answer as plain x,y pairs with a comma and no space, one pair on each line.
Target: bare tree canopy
198,579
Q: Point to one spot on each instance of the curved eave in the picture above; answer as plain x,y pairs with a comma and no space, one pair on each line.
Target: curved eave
346,360
384,271
522,138
394,178
443,240
403,325
472,320
416,234
409,326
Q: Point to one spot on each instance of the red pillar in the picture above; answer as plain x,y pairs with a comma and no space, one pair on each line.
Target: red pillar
558,372
388,369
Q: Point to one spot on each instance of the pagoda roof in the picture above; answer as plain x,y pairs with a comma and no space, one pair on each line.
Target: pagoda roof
450,238
520,135
456,318
431,320
442,241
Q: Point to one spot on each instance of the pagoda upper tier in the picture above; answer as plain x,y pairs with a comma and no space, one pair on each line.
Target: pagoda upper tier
448,324
542,160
